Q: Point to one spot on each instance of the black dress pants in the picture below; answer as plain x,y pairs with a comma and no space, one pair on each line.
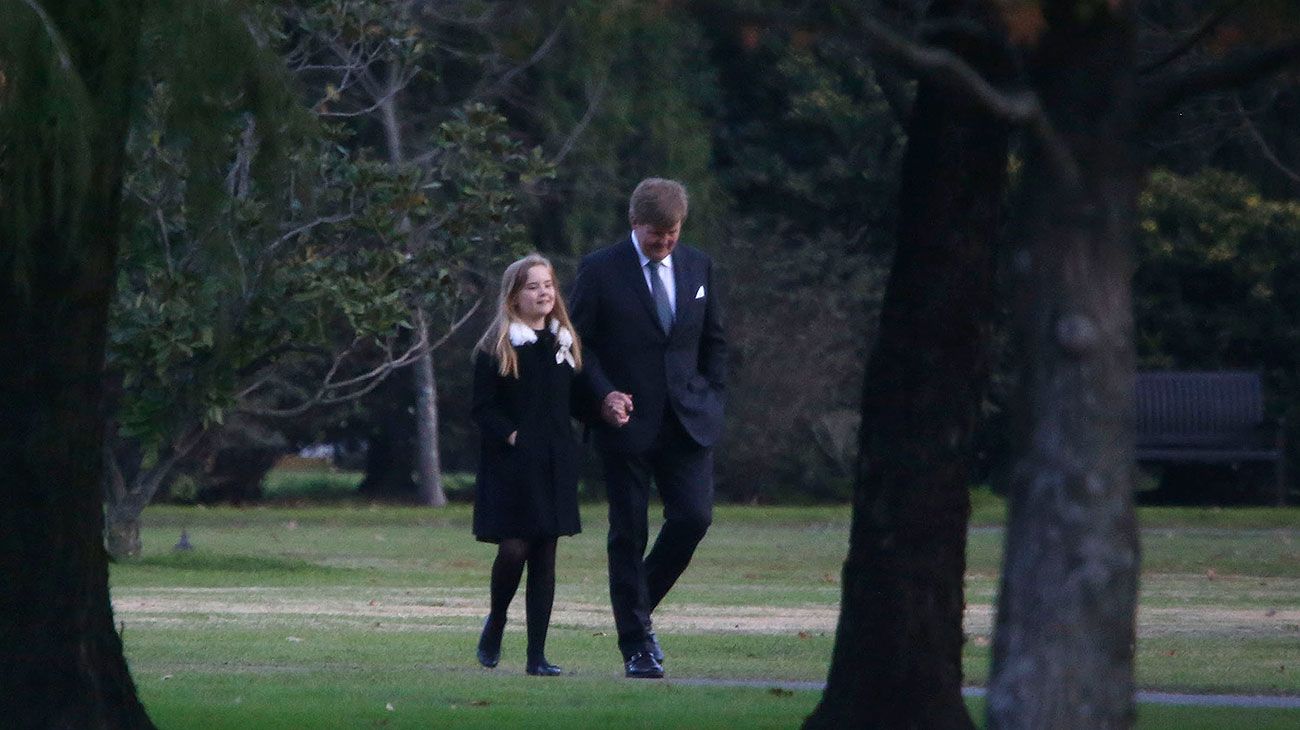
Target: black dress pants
682,470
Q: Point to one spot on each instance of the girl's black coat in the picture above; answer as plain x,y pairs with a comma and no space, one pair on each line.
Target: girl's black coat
529,490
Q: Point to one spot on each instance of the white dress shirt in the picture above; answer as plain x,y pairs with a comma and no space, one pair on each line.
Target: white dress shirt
665,273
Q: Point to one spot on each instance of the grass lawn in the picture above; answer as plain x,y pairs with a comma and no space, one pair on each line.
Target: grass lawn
325,616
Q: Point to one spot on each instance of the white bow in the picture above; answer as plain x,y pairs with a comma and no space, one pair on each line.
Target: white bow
522,334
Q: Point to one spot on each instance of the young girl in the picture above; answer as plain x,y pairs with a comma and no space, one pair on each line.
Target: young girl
526,495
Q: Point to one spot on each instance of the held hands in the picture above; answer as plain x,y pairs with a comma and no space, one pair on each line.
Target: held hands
616,409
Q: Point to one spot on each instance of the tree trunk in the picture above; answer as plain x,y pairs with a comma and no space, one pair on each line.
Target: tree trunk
122,534
428,460
390,456
427,457
1063,648
897,657
61,662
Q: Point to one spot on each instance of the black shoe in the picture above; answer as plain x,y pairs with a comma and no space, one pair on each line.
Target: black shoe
542,668
642,666
655,651
489,644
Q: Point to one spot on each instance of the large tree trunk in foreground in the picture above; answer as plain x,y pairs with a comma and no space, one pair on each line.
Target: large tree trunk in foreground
61,662
897,657
1063,650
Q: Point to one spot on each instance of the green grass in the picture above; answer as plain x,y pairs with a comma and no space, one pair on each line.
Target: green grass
320,616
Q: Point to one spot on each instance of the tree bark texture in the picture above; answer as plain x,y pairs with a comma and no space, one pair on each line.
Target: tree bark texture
428,459
1063,647
897,656
61,661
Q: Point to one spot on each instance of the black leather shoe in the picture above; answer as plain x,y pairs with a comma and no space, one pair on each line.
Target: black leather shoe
655,651
542,668
489,644
642,666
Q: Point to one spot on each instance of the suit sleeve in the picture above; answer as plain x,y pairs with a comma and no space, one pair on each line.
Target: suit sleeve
713,342
488,409
585,309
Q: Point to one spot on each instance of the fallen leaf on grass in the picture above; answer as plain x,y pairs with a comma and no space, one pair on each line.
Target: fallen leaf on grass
1271,612
780,692
295,639
1210,574
479,703
829,578
805,635
389,707
599,633
373,602
291,525
1171,652
167,677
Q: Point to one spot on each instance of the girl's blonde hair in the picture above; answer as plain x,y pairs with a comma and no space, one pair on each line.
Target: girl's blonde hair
496,340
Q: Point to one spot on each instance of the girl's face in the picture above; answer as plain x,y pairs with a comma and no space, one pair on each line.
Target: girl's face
537,297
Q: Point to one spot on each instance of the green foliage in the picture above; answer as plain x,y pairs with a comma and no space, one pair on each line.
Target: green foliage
806,142
1218,278
1218,282
641,71
270,251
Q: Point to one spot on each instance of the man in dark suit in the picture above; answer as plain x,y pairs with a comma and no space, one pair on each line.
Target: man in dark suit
647,311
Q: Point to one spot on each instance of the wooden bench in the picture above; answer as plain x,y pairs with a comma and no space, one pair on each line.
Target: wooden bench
1210,418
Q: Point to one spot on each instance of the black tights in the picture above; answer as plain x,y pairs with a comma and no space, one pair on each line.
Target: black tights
512,554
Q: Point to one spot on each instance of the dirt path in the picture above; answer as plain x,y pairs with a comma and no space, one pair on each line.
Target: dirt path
414,608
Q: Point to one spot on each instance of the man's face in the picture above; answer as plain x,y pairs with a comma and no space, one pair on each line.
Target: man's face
656,241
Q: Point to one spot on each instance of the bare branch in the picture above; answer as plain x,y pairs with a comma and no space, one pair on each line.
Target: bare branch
1189,41
1239,69
378,103
501,85
457,324
946,68
56,40
594,98
1264,147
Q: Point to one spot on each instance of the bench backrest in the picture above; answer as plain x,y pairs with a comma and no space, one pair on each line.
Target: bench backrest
1210,409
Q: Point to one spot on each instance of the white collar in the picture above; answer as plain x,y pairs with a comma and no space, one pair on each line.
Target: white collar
667,262
521,334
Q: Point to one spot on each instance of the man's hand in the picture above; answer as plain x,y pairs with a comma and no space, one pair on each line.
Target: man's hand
616,409
511,438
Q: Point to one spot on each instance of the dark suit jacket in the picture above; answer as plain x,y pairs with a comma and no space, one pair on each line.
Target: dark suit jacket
625,349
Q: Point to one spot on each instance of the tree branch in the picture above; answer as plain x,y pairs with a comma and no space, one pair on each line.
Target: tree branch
1262,143
502,84
593,103
943,67
1239,69
1189,41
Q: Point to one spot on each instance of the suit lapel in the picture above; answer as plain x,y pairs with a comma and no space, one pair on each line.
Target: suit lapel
635,280
682,279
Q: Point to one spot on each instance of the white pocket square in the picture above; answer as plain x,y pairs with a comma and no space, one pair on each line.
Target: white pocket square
700,294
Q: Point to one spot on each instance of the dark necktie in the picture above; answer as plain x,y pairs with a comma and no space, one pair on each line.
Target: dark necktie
660,294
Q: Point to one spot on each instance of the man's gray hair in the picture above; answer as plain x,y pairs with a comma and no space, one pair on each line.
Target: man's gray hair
658,202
